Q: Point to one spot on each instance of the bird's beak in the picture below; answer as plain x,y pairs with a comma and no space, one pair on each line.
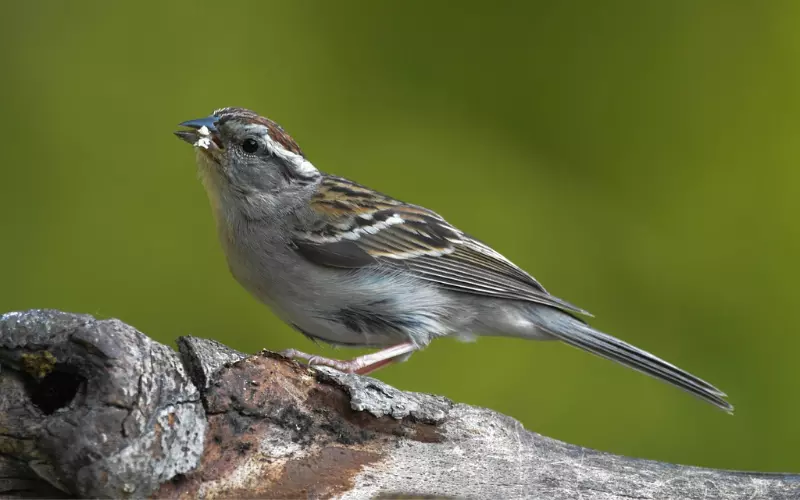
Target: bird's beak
203,133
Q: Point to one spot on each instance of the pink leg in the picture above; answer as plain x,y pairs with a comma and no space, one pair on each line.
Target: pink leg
362,365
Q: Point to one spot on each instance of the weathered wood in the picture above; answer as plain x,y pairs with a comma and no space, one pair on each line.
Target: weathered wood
95,408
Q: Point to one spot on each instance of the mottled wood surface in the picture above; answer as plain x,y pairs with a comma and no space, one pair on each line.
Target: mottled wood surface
93,408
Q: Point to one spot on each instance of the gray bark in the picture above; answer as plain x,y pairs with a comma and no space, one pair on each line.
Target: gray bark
92,408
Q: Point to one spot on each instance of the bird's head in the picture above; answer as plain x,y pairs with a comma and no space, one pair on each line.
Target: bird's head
240,153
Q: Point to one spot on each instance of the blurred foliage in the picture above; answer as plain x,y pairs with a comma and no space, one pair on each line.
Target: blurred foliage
640,158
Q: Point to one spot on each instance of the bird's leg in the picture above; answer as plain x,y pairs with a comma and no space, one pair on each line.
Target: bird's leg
361,365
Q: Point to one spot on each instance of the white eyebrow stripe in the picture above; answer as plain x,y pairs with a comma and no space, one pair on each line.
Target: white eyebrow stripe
298,163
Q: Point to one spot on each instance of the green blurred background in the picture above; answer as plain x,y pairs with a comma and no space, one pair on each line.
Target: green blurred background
638,157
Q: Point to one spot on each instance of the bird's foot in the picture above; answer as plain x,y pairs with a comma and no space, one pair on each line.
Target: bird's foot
361,365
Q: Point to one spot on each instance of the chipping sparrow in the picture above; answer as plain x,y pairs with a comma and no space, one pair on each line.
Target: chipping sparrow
347,265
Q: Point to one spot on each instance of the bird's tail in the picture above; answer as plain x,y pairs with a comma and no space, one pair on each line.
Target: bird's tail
578,334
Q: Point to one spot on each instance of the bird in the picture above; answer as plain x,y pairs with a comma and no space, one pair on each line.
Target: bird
349,266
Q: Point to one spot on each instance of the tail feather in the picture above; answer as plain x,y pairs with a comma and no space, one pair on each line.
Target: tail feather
578,334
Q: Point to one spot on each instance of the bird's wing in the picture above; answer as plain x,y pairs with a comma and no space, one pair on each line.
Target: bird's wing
359,227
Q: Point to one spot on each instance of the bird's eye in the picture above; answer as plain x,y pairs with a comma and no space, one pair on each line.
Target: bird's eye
250,146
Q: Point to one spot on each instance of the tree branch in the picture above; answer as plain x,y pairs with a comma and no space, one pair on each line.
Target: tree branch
93,408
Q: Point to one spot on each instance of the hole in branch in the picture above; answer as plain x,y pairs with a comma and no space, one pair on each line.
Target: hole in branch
55,391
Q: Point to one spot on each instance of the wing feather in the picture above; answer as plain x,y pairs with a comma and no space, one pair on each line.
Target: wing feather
363,228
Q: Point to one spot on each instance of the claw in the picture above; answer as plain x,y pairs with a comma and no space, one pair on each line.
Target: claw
361,365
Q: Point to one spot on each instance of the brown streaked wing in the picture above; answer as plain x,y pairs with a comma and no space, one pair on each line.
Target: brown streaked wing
337,197
366,228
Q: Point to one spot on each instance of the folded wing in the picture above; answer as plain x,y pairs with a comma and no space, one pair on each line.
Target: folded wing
364,228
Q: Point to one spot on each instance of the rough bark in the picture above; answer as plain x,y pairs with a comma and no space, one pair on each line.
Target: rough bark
92,408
